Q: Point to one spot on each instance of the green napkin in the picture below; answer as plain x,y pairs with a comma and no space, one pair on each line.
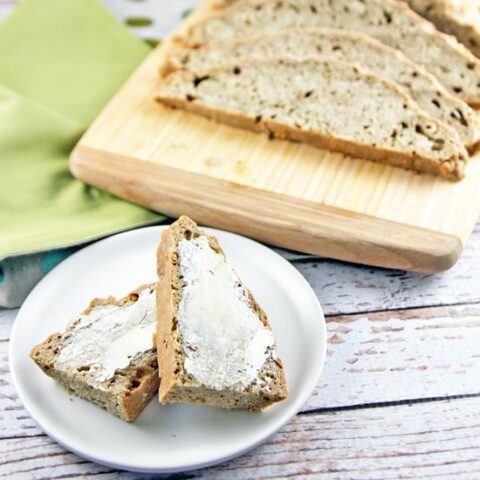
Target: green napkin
60,63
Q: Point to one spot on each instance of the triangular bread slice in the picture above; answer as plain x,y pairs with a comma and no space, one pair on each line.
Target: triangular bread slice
390,21
214,341
354,47
107,354
323,102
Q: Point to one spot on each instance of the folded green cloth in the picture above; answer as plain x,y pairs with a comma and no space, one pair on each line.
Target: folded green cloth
60,63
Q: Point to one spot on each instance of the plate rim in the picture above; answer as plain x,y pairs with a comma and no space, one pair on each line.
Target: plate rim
187,466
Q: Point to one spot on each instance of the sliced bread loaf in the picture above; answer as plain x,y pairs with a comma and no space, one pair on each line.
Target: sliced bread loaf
323,102
107,354
390,21
342,45
214,342
457,17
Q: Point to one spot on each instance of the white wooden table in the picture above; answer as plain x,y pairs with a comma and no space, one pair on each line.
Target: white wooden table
399,396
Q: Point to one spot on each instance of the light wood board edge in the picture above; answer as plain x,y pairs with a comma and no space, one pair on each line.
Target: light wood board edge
268,217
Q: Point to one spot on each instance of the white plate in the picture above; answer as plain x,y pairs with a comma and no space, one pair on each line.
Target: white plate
174,437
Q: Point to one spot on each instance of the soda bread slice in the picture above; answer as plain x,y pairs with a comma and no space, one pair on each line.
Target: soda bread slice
323,102
214,342
348,46
457,17
390,21
107,354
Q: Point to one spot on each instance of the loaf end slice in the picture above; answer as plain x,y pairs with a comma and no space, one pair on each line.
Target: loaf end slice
326,103
458,18
214,341
107,354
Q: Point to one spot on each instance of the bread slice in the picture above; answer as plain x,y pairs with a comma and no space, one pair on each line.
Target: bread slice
107,354
457,17
214,342
323,102
348,46
389,21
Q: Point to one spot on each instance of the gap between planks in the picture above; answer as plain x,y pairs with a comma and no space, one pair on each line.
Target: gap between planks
409,401
330,316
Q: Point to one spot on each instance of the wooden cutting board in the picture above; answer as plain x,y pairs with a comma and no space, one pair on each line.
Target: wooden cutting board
276,191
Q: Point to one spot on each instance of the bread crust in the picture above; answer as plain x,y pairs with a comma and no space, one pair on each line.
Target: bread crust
177,385
166,301
129,390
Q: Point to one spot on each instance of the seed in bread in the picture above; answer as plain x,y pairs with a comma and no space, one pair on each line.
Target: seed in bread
107,354
342,45
456,17
323,102
214,341
389,21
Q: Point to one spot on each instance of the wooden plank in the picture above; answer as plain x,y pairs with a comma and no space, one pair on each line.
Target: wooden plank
438,440
392,356
345,288
350,209
14,419
378,357
40,458
6,322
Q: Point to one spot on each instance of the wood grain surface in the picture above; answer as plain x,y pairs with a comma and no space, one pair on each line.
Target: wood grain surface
438,440
398,398
280,192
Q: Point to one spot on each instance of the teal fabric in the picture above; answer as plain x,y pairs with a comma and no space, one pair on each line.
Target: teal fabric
50,260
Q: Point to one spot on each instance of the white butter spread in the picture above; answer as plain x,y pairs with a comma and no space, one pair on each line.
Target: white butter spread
110,336
224,342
